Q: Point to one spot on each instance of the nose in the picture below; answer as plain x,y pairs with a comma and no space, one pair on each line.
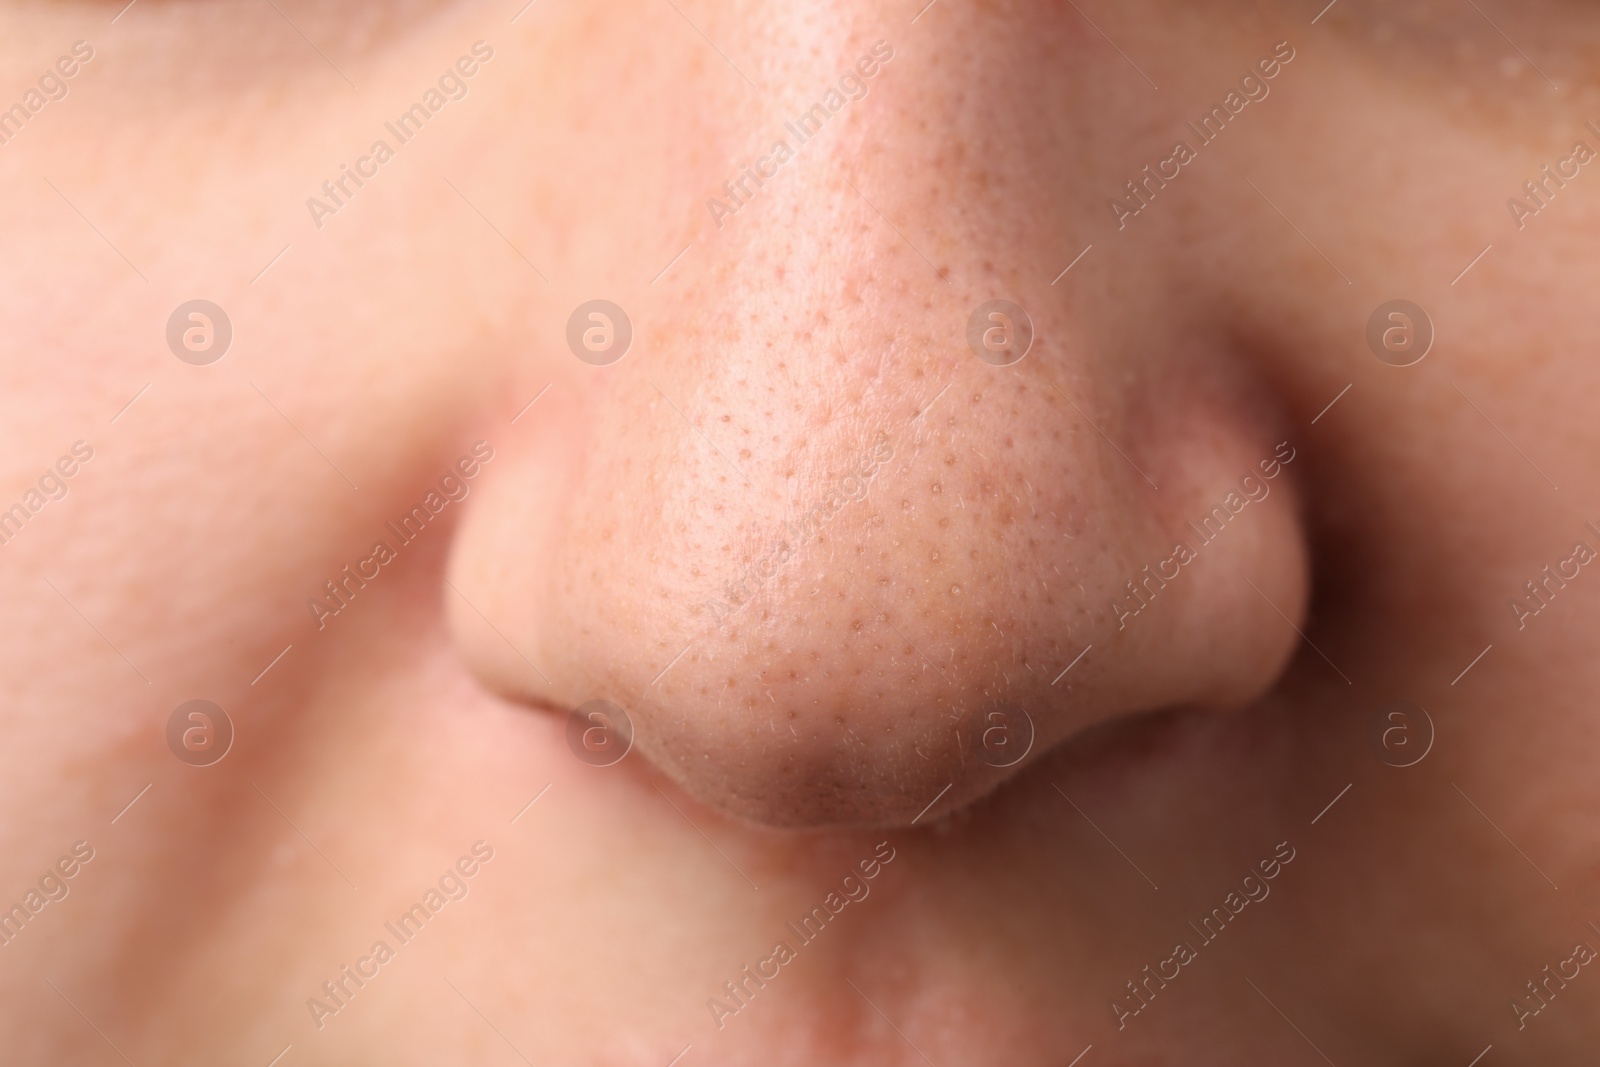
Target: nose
870,516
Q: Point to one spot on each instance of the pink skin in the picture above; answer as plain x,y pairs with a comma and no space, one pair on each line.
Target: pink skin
804,691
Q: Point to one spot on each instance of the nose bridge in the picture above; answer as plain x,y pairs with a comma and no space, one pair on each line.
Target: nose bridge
816,111
892,163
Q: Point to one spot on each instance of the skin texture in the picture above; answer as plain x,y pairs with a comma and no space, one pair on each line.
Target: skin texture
793,718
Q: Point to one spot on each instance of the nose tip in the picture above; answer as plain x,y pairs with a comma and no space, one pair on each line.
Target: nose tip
869,732
877,749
